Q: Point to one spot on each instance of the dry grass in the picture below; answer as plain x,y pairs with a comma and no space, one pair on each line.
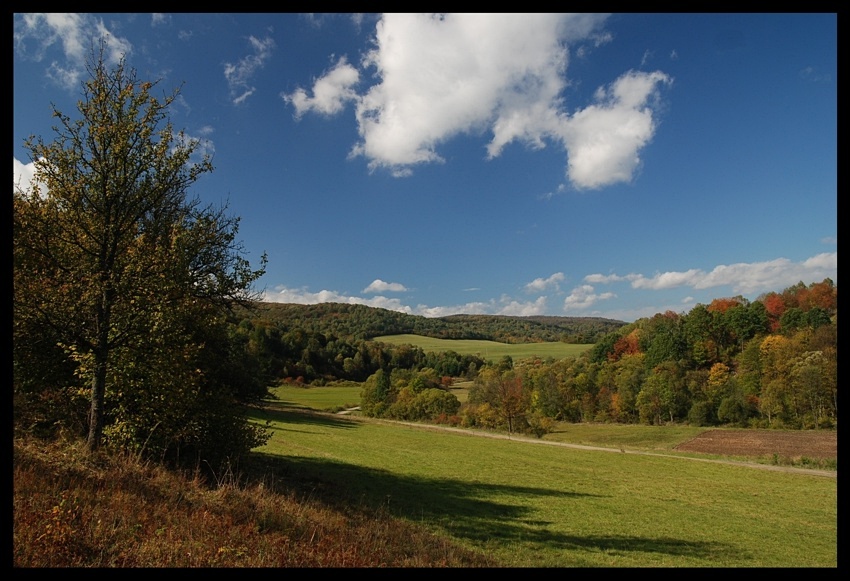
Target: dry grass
75,510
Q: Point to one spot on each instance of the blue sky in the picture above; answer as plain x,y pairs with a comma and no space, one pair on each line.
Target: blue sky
577,165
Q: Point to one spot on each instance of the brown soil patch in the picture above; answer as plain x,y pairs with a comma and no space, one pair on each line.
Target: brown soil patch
820,444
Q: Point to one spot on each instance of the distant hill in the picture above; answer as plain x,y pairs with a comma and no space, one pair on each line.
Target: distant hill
362,322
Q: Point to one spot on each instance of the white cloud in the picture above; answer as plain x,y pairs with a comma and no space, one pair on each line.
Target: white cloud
23,173
160,18
583,297
583,300
201,142
742,277
444,75
607,279
772,275
331,92
603,140
239,75
505,306
438,76
303,297
522,309
668,280
542,284
474,308
378,286
76,33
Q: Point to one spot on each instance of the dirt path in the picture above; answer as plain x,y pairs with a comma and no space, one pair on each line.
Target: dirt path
688,446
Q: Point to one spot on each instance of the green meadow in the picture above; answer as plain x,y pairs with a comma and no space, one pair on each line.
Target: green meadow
325,398
488,350
533,505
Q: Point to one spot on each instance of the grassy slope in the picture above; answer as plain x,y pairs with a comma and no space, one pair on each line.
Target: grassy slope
531,505
72,510
490,350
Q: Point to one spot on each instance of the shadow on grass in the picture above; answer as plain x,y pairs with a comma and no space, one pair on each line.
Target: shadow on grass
482,513
299,417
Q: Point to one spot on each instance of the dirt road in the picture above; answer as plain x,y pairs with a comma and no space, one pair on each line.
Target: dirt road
730,442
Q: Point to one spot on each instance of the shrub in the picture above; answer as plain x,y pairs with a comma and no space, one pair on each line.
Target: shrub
701,414
540,425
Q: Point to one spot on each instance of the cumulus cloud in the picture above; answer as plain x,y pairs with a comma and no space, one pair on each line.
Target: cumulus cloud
770,275
608,278
742,277
667,279
583,297
473,308
603,140
444,75
504,306
34,34
438,76
331,92
283,294
543,284
239,75
378,286
522,309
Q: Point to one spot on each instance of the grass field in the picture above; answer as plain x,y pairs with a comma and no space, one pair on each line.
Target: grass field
488,350
532,505
324,398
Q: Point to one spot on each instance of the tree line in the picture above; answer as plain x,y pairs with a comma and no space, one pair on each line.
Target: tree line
772,362
363,322
295,355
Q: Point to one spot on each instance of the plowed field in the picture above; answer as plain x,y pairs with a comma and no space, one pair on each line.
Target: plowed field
820,444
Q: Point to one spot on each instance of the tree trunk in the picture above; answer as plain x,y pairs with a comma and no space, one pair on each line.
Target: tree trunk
101,358
98,391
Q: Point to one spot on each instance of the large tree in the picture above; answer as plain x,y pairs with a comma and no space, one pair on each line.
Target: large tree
109,249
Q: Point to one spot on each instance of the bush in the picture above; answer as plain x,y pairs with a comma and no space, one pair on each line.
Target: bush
479,416
424,405
732,410
540,425
701,414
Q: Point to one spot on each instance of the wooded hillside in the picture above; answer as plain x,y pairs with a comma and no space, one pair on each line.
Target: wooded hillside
363,322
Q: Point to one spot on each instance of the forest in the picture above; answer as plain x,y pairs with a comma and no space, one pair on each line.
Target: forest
362,322
771,362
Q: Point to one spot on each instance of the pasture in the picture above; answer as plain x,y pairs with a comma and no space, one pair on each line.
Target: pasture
488,350
324,398
530,505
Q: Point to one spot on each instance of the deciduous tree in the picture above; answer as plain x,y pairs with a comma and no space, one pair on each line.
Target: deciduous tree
109,249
